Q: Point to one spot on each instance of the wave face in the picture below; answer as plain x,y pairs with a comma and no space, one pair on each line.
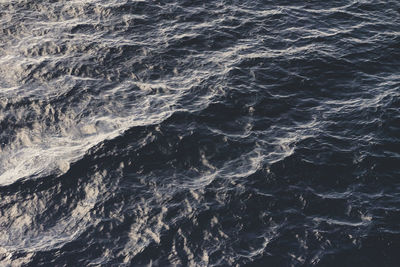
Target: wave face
191,133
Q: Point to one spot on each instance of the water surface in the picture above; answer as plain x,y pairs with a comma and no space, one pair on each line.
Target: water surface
190,133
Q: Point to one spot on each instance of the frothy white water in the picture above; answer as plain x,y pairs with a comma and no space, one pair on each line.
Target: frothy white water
49,146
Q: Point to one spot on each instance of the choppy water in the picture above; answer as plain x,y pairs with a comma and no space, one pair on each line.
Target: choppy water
190,133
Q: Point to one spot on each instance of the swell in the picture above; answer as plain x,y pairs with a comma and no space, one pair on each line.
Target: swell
163,184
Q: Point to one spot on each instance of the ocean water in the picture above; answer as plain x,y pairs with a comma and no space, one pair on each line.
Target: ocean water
191,133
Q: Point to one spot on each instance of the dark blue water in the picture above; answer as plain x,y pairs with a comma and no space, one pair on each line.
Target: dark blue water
190,133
